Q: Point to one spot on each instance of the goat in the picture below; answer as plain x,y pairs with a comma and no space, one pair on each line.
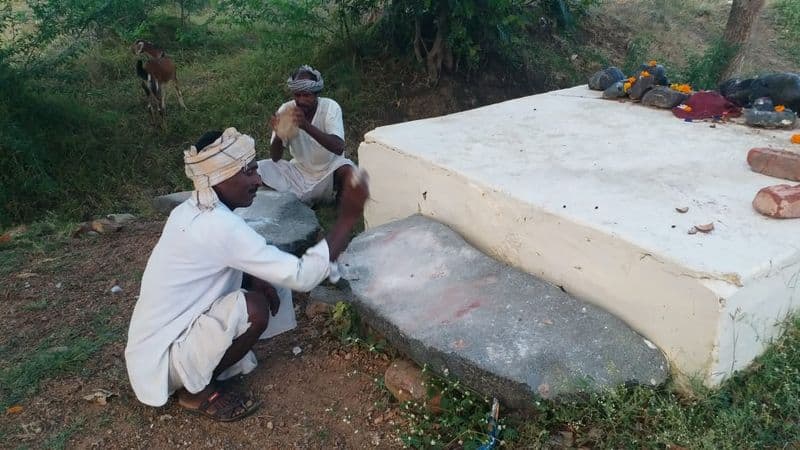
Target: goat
155,72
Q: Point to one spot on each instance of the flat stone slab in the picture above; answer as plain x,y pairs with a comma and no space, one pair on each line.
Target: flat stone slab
501,331
166,203
582,192
281,218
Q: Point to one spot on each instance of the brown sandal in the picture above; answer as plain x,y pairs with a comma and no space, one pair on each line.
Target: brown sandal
228,406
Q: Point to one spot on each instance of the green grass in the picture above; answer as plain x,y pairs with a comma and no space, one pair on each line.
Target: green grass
787,15
759,408
64,352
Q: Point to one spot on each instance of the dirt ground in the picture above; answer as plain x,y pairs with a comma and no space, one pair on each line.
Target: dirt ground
326,397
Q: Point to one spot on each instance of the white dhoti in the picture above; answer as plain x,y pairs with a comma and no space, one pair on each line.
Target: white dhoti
198,351
309,187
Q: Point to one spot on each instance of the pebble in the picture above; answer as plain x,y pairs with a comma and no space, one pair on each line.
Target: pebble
297,350
116,289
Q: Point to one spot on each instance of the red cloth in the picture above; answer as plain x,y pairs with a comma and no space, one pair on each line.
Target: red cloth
705,105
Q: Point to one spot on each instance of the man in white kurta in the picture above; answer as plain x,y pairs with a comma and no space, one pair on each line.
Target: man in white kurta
318,166
193,322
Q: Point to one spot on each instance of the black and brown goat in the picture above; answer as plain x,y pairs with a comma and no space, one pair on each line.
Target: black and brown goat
156,72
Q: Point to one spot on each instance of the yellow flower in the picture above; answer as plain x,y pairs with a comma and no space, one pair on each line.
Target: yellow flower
645,73
626,87
652,63
780,108
632,80
685,88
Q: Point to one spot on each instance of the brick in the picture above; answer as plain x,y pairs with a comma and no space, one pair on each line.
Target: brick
775,163
781,201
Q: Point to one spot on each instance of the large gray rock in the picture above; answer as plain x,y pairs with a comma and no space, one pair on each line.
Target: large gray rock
616,90
769,119
602,79
166,203
501,331
663,97
281,218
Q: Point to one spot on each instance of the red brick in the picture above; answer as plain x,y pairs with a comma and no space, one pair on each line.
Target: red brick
775,163
781,201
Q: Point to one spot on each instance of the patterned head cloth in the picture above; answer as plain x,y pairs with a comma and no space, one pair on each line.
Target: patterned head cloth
217,162
300,85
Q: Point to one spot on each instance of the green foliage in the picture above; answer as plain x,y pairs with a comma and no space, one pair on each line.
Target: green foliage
463,421
757,409
64,352
787,14
703,71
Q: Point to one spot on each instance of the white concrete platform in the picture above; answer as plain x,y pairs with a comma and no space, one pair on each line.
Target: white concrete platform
582,192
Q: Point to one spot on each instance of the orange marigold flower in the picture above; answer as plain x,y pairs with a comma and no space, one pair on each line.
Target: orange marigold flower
686,108
626,87
645,73
780,108
796,139
685,88
652,63
632,80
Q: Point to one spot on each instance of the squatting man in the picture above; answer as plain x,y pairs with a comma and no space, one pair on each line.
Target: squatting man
212,286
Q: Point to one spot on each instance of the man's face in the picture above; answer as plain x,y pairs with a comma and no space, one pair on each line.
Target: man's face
306,101
239,190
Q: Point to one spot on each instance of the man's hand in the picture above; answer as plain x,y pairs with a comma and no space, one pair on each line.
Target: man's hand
273,122
300,119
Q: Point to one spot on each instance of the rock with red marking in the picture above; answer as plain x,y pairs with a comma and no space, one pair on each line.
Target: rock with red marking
781,201
501,331
775,163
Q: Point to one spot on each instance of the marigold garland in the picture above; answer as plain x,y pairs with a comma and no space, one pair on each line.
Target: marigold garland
652,63
686,108
780,108
796,139
645,74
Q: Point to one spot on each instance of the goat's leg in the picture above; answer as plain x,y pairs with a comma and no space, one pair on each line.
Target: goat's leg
178,91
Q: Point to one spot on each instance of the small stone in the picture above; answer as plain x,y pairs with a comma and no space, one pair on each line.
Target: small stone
164,417
692,230
615,91
682,209
121,218
58,285
105,226
348,356
770,119
269,425
601,80
775,163
296,350
116,289
764,104
406,382
642,86
92,233
705,228
663,97
316,309
781,201
12,233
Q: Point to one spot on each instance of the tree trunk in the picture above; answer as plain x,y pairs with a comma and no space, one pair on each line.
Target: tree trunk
737,32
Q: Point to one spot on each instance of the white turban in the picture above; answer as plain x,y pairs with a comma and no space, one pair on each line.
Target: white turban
217,162
306,85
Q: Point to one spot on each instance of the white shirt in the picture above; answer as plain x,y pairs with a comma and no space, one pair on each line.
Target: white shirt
199,258
309,155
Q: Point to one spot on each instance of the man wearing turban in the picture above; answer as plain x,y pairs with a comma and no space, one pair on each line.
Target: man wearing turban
212,286
318,166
